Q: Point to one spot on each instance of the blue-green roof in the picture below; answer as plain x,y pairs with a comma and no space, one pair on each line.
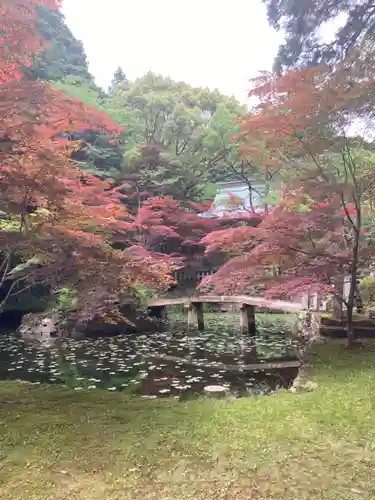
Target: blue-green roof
233,198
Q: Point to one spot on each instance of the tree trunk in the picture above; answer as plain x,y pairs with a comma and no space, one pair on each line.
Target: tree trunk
250,188
353,287
350,330
266,189
336,301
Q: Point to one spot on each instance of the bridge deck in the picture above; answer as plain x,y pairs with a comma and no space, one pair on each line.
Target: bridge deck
276,305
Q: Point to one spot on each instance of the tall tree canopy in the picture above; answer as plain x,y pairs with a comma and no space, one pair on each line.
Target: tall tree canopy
119,77
318,230
169,148
96,154
63,56
58,219
302,21
176,140
18,40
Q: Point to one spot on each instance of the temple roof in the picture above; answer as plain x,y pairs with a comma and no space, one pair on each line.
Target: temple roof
233,198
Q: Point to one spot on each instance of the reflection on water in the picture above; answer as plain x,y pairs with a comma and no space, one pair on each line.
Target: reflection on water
132,363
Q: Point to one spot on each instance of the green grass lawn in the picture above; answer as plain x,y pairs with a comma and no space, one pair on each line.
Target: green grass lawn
58,445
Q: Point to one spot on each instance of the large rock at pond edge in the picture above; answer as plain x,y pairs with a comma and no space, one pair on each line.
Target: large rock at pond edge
300,385
39,327
44,327
137,323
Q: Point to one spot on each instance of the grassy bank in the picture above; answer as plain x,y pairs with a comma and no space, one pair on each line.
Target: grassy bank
57,444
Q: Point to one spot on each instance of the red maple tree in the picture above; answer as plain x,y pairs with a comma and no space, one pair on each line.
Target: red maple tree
315,235
57,219
165,228
177,233
18,37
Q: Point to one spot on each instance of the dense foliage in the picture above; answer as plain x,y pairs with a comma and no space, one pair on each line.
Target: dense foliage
319,229
175,141
175,146
108,192
58,219
63,55
304,23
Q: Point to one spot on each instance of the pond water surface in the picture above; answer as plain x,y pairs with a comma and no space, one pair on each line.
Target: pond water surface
132,363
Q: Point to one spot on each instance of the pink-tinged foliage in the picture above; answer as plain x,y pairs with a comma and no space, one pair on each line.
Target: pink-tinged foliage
289,253
59,214
18,38
233,239
163,221
315,234
140,254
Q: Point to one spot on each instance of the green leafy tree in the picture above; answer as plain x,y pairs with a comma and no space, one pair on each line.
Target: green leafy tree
96,154
64,64
64,54
235,164
301,21
119,78
166,141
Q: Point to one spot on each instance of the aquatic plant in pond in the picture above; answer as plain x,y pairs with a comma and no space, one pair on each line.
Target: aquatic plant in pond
131,363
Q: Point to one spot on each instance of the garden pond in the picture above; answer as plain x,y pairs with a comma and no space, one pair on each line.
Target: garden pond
132,363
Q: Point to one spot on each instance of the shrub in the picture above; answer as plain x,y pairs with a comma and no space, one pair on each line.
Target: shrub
367,290
66,300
